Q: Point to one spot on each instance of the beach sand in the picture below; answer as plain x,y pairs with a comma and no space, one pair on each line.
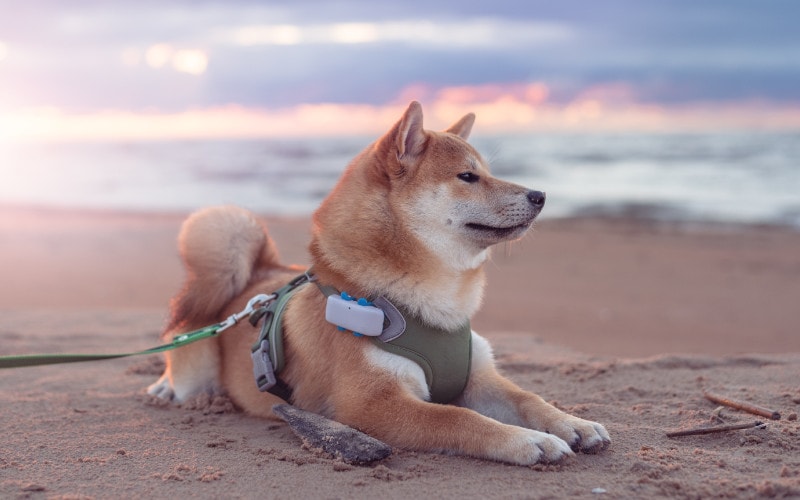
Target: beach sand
618,321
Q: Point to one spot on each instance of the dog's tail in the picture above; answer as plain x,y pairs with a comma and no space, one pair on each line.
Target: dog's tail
221,247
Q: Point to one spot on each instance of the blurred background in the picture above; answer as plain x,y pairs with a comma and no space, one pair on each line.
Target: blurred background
117,117
679,111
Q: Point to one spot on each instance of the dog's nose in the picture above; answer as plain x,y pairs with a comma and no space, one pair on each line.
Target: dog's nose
536,198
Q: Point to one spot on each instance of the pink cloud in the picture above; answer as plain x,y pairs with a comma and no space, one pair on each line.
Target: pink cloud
613,92
531,93
500,108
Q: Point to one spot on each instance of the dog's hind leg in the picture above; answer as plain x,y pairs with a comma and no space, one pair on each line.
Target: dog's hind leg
191,370
221,248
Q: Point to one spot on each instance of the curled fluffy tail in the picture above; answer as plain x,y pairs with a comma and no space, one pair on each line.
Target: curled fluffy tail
220,247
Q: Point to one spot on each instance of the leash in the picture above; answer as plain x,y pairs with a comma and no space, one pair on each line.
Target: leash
19,361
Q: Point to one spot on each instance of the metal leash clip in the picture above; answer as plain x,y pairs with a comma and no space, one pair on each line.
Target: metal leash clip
252,304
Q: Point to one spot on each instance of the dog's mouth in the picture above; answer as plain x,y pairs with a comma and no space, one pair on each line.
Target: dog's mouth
498,233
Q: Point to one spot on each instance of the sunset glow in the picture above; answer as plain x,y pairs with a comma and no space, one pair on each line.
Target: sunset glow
193,62
515,109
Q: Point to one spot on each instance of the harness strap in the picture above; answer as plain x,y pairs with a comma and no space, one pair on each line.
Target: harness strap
267,352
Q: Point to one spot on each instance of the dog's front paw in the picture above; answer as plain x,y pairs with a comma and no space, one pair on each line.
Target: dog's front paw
529,447
582,435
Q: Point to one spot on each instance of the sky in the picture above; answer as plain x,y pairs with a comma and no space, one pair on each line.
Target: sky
86,70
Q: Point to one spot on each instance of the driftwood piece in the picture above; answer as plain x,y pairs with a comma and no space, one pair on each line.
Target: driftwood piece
719,428
333,438
743,405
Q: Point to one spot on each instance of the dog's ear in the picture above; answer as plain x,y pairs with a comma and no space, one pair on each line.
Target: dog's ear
410,138
463,127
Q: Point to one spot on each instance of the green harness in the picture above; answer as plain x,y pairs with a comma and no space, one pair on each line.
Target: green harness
444,356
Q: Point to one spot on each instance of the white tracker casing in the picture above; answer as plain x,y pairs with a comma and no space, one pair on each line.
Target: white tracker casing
350,315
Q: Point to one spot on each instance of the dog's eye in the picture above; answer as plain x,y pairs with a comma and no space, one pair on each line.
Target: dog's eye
469,177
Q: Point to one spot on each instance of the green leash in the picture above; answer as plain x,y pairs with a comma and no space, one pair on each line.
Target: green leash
54,359
23,360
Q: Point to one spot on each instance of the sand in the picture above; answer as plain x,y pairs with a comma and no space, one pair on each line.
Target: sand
618,321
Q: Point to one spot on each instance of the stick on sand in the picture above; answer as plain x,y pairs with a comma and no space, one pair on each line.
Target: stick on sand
744,406
720,428
332,437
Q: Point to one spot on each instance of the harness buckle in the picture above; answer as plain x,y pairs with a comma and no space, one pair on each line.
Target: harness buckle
263,370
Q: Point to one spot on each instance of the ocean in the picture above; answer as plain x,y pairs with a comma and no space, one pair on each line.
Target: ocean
708,177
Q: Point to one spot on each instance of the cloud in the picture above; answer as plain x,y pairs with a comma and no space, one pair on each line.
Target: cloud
175,55
472,33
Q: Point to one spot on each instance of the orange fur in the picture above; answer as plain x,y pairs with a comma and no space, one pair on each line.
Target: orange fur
403,222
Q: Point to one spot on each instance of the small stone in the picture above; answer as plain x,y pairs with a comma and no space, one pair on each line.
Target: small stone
792,416
598,491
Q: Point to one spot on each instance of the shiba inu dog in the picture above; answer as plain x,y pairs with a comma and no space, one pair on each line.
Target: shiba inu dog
411,221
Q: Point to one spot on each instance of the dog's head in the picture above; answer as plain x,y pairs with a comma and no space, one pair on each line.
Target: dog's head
430,187
447,194
413,217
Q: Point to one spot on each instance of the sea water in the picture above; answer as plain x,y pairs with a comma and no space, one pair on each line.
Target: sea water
713,177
